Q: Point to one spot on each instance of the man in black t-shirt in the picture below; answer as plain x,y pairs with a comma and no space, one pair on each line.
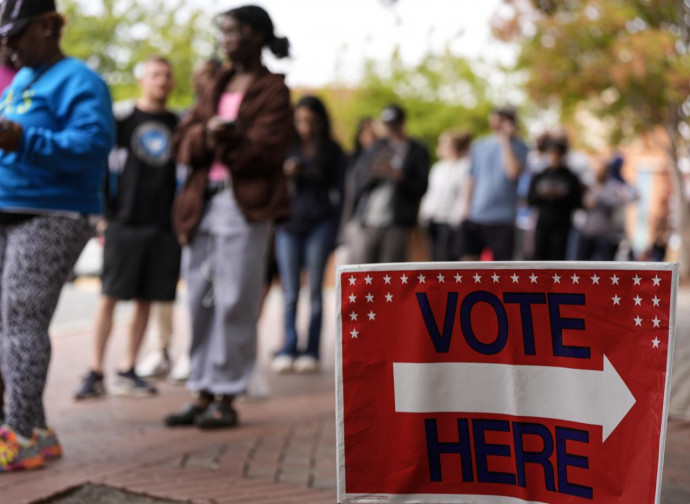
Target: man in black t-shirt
141,255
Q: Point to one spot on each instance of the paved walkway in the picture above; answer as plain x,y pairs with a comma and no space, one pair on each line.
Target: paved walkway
283,453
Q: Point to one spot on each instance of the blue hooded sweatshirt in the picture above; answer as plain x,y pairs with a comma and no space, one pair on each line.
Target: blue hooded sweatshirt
68,130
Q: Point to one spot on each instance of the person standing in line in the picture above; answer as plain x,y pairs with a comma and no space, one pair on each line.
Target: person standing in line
158,363
235,141
496,163
604,201
442,207
56,132
392,176
315,167
556,193
7,74
141,259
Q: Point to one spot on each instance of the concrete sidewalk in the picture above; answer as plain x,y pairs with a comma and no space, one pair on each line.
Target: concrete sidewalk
284,451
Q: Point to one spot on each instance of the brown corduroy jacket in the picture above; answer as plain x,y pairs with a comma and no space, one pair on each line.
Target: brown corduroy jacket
255,161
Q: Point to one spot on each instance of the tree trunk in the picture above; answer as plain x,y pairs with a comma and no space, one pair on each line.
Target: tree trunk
683,205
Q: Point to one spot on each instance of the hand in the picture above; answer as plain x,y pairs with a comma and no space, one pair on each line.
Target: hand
220,131
101,226
385,171
292,167
10,135
507,130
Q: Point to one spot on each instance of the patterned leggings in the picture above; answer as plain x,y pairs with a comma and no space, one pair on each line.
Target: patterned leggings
35,258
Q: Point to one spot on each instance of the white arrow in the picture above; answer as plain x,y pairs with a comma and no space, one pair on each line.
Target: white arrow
574,395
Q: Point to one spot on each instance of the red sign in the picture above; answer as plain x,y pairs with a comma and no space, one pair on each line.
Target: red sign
503,383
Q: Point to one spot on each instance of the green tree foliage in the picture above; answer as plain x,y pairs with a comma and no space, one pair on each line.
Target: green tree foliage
113,36
441,92
626,60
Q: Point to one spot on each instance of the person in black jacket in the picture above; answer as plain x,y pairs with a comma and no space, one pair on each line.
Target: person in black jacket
556,193
315,166
392,176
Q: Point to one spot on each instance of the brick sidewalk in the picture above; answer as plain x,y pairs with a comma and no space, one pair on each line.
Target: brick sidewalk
284,451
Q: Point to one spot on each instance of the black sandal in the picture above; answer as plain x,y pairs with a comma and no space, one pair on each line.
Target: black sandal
218,415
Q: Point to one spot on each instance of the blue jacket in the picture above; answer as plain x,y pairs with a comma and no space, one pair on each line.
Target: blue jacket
68,130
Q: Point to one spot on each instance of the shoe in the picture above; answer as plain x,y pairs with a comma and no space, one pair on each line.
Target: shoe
180,373
18,454
281,364
218,415
48,443
306,364
155,365
186,416
128,384
92,387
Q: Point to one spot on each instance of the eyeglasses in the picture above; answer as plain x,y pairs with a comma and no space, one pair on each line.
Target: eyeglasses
234,33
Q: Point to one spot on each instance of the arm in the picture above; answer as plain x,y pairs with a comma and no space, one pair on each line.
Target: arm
415,179
260,149
86,138
513,162
190,145
469,192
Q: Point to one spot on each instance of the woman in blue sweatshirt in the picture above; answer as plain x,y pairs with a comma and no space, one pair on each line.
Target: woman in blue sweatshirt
56,130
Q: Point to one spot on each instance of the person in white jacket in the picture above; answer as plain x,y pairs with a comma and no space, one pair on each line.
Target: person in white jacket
443,206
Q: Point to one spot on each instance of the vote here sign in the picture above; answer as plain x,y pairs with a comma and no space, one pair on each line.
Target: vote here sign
503,383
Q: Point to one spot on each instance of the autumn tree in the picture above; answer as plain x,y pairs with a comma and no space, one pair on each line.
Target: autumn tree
628,61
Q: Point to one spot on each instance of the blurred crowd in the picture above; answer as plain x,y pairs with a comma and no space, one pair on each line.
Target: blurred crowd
244,188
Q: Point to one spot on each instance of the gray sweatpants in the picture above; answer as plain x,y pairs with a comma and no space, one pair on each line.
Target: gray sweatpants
224,269
35,258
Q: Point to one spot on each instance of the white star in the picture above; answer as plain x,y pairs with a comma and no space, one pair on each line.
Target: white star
638,321
368,280
556,278
421,278
389,298
656,301
656,281
656,342
387,279
495,278
638,301
458,278
637,280
353,298
352,280
353,316
595,279
575,278
372,315
533,278
354,333
441,278
515,278
614,280
616,300
370,298
404,279
656,321
477,278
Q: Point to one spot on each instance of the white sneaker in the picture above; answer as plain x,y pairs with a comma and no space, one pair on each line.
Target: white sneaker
306,364
281,364
154,365
180,373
